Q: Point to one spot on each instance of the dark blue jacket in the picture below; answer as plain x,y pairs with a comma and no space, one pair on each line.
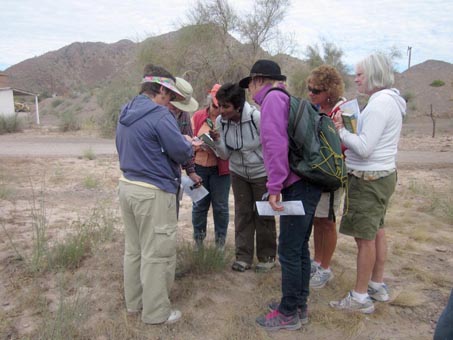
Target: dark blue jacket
150,145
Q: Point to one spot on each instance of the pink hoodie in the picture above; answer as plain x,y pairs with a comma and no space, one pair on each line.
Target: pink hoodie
274,138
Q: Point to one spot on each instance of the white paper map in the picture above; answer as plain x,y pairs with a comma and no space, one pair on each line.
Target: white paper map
290,208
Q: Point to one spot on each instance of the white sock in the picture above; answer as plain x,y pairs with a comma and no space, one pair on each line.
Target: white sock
318,264
375,285
359,297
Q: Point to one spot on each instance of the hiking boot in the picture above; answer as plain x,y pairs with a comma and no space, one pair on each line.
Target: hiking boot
274,321
313,268
175,315
302,313
381,294
349,303
265,266
320,278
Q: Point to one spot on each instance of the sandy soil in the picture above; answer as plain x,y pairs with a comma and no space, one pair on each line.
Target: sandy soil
224,305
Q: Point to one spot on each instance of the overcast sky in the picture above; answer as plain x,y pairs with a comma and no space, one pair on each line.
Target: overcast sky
31,28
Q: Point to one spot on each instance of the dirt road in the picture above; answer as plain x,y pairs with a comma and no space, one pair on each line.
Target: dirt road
31,143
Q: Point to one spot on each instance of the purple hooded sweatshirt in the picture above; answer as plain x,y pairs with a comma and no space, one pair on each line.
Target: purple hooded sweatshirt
274,138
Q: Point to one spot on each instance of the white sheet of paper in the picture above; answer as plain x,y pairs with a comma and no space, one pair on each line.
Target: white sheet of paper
290,208
195,194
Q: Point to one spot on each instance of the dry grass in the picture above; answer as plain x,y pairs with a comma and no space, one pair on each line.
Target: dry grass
86,301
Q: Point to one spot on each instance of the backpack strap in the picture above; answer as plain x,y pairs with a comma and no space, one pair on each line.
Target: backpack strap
331,215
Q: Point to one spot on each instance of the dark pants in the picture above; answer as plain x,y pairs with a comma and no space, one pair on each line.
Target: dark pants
293,252
219,190
247,222
444,328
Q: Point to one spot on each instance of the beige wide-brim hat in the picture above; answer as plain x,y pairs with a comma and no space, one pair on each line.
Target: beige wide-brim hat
188,104
166,82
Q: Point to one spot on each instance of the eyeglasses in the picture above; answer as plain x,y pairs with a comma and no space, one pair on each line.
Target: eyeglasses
314,91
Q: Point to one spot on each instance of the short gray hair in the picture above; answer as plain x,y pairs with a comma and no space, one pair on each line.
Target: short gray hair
378,71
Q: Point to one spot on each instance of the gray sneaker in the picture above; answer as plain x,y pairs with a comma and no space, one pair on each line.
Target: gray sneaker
302,312
320,278
274,321
313,268
352,305
380,294
263,267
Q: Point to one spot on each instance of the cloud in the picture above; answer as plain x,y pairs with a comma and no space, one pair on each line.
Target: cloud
357,27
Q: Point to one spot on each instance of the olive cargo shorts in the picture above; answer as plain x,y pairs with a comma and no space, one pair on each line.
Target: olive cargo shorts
366,205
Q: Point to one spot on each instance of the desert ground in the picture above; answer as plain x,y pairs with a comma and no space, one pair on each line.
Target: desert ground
56,188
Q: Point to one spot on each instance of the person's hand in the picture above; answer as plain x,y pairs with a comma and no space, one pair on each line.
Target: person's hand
196,142
188,138
338,120
274,202
197,180
215,134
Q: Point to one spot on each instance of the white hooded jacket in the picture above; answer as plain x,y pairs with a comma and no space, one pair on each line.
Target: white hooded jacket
375,145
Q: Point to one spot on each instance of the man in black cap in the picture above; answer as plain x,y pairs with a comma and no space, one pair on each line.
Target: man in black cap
293,252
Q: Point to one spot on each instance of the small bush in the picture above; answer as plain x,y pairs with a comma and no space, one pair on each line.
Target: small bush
90,182
56,102
408,96
207,259
89,154
10,123
437,83
68,122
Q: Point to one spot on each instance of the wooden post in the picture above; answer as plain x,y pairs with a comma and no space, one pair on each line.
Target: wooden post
434,121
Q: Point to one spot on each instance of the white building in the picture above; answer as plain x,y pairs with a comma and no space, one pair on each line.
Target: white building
7,94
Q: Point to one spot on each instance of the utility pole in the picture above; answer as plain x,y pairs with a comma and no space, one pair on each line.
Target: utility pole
409,52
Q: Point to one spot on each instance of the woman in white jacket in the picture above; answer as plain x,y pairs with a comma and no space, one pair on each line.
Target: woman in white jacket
237,139
371,162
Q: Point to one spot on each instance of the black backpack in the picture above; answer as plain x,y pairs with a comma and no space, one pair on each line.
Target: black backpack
314,146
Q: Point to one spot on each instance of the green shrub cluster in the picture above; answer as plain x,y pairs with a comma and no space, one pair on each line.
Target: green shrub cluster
437,83
10,123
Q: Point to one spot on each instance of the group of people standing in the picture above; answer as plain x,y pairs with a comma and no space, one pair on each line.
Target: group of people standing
251,155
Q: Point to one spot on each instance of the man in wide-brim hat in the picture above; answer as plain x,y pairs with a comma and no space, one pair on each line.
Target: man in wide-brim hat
181,110
267,88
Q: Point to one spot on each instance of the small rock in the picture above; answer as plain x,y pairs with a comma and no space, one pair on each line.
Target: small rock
441,249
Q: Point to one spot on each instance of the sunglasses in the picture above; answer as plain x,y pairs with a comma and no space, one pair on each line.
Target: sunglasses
314,91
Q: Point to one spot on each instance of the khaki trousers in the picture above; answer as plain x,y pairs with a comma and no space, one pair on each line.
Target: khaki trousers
149,217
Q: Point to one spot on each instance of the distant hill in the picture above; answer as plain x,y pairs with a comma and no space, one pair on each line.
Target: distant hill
79,67
75,67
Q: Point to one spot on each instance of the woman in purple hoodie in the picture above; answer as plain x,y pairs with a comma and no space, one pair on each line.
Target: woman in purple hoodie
282,183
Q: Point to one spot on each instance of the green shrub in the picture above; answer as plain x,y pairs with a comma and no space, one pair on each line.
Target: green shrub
90,182
68,121
56,102
408,96
10,123
89,154
111,99
437,83
207,259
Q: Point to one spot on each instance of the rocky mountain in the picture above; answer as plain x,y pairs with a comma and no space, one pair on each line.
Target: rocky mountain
82,66
75,67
